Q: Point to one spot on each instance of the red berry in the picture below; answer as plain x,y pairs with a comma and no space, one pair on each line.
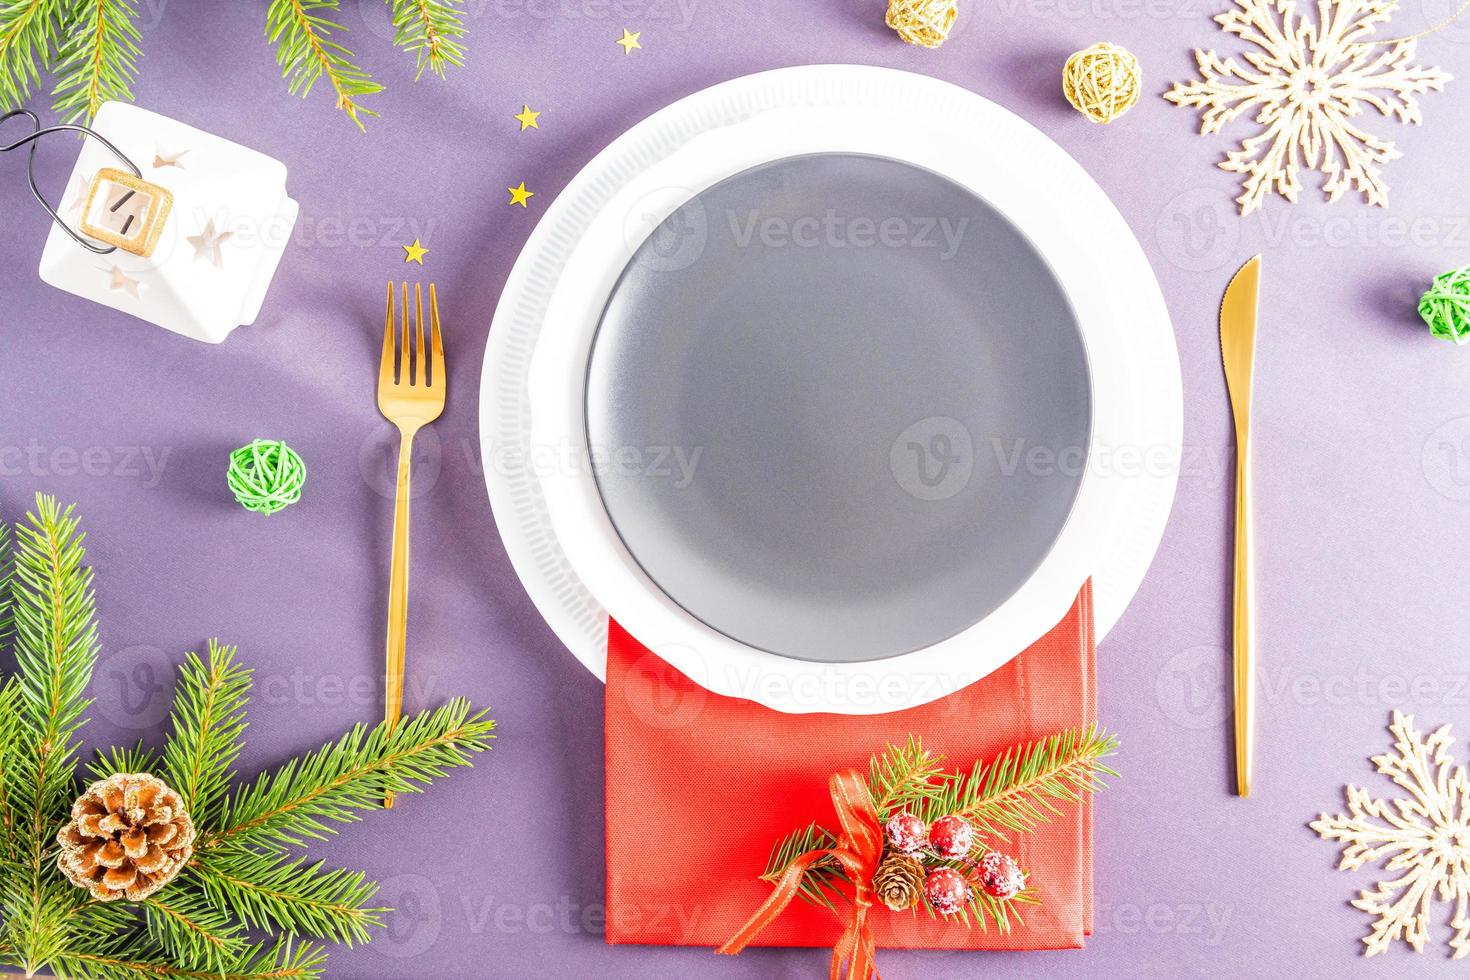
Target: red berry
946,890
951,837
1000,876
906,833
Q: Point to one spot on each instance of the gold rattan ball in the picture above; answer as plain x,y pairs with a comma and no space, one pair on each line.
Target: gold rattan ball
923,22
1102,82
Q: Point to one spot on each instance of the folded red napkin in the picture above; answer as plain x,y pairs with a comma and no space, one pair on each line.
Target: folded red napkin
700,786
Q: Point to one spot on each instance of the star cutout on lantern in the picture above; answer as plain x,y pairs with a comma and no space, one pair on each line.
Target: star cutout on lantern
120,282
165,158
416,252
519,195
629,40
207,244
527,118
76,199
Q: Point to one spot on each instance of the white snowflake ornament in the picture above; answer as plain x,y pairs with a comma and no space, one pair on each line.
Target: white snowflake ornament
1307,82
1426,836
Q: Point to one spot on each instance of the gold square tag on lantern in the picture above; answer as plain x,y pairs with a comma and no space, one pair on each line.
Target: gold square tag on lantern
126,211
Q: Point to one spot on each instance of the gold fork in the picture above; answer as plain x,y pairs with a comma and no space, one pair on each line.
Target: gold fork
410,397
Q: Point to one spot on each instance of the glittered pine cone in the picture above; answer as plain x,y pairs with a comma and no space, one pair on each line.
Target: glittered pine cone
129,836
899,881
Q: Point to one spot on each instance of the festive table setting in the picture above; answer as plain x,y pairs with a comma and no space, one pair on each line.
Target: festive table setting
640,488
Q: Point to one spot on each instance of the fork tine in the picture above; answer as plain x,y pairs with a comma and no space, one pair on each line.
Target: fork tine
438,362
385,366
420,364
404,351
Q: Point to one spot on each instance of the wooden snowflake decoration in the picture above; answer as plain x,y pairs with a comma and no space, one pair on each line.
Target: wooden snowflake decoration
1307,81
1426,836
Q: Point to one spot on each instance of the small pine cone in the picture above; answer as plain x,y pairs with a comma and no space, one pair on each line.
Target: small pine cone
899,881
129,836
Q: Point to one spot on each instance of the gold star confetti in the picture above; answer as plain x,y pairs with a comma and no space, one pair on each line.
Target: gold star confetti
416,252
527,118
120,282
519,195
207,242
629,40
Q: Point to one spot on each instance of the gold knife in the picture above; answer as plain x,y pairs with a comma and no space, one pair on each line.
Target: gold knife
1238,314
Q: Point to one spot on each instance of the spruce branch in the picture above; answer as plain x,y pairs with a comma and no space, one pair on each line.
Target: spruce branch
429,30
292,896
302,799
109,762
207,723
307,52
820,884
98,60
7,618
29,30
281,960
55,651
901,775
190,929
1020,789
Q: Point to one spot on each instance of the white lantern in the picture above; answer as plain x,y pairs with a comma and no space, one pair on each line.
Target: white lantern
196,233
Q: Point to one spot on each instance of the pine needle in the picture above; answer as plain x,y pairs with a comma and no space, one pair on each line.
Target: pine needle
281,960
291,896
207,723
98,61
301,800
430,30
306,52
191,930
28,38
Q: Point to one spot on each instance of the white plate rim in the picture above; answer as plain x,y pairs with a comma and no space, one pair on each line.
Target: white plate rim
518,498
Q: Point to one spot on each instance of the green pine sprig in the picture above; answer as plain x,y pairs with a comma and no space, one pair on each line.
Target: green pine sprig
306,51
29,34
1018,791
206,730
430,30
291,895
98,59
247,876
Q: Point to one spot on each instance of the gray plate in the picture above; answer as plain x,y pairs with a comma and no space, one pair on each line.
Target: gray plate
839,408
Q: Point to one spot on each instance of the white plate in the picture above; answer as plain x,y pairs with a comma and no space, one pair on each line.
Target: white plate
658,165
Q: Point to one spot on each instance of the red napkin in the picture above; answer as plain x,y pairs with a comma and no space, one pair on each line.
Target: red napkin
700,786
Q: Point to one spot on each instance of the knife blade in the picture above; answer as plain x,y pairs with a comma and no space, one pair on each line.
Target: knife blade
1239,313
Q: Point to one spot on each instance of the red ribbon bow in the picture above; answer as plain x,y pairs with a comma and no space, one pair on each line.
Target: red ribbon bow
858,850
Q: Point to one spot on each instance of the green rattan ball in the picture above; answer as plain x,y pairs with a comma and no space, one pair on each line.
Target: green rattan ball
266,476
1446,307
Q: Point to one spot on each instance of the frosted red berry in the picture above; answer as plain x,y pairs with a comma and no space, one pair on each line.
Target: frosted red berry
946,891
906,833
951,837
1000,877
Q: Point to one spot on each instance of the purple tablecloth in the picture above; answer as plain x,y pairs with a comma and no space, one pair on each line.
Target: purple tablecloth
1363,474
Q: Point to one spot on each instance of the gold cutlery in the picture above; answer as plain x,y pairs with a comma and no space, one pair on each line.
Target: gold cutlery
411,384
1238,314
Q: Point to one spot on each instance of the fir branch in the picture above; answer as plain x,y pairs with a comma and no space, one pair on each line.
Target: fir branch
1019,790
290,896
281,960
304,797
11,728
306,52
430,30
206,725
111,761
7,618
819,886
902,776
98,61
190,929
28,37
55,651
